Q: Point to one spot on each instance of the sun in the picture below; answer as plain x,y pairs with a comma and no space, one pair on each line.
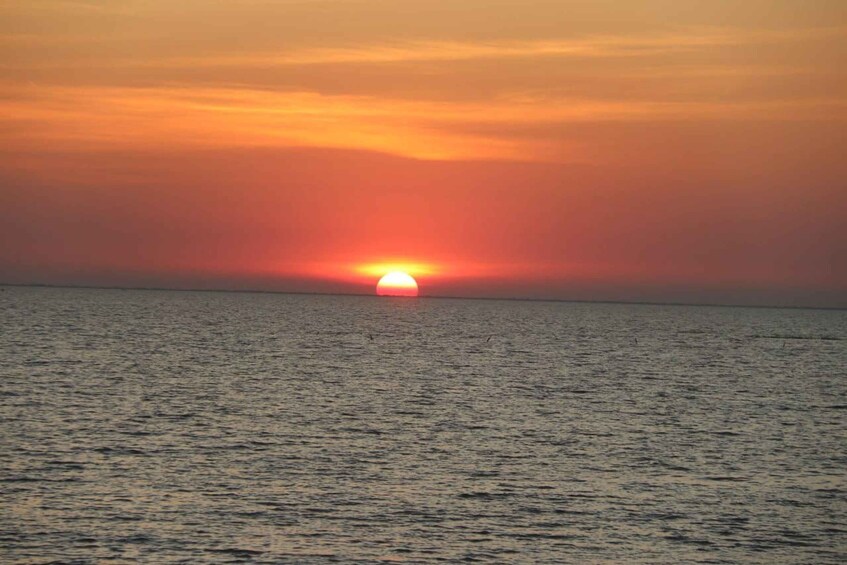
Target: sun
397,283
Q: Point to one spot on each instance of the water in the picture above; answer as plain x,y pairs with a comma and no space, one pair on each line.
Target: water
221,427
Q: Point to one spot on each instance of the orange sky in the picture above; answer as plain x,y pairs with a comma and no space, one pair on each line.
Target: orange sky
654,150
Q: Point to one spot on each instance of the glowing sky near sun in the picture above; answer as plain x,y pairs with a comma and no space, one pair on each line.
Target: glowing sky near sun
655,150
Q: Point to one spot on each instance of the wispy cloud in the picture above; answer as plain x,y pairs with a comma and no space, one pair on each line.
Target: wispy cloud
592,46
422,129
403,51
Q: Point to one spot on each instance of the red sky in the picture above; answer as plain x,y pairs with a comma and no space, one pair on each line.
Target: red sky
658,150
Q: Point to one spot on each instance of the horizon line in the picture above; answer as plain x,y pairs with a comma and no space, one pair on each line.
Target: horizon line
446,297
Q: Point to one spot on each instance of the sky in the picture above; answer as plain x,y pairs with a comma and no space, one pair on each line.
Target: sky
660,150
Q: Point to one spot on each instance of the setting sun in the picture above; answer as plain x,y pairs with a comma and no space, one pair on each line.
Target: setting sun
397,283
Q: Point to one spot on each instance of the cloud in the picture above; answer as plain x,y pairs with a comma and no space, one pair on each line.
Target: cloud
404,51
191,117
587,47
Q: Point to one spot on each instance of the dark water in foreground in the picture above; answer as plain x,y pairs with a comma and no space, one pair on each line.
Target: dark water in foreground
168,426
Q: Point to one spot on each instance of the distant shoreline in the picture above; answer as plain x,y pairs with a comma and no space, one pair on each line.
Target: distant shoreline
424,296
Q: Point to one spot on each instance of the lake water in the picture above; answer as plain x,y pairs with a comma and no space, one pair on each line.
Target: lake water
212,427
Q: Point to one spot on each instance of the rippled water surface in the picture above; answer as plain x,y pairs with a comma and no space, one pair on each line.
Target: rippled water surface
213,427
